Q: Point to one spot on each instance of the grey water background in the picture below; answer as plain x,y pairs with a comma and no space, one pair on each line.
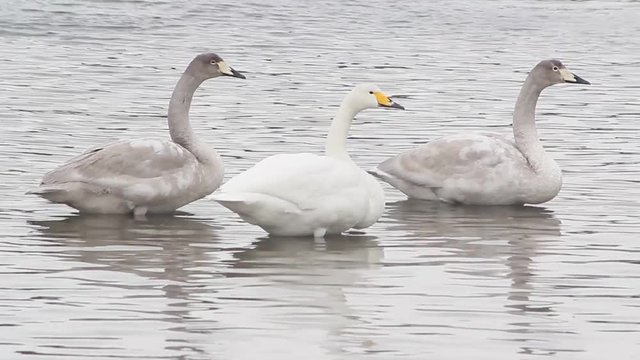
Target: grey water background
560,280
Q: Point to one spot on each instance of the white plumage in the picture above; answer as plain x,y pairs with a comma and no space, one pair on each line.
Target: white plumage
306,194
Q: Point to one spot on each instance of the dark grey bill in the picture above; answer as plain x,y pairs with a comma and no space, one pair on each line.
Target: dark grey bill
394,105
578,79
235,74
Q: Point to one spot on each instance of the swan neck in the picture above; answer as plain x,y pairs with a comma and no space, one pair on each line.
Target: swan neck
524,123
178,114
178,117
336,145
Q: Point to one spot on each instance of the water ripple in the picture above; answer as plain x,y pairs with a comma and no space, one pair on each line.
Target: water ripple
427,281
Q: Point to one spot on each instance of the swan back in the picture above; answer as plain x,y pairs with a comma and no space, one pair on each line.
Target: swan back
295,194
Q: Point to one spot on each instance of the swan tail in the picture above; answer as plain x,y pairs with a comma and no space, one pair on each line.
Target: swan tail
47,191
375,171
250,202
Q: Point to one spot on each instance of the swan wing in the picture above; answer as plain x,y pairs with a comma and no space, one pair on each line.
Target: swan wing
131,166
469,157
298,179
302,194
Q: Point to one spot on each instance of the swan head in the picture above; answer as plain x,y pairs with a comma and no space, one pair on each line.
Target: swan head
210,65
367,96
550,72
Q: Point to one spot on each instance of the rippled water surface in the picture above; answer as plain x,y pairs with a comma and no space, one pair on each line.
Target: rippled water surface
427,281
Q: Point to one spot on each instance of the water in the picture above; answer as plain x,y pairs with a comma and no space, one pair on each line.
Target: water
427,281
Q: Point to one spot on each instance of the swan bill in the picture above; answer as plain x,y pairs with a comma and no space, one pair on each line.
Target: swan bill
385,101
572,78
228,70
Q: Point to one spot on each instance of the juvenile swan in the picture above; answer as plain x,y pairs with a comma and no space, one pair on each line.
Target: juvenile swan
486,169
145,176
306,194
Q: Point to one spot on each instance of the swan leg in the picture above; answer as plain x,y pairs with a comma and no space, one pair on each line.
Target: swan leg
355,232
140,213
319,233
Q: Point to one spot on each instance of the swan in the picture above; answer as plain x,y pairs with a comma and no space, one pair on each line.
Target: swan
146,175
306,194
486,169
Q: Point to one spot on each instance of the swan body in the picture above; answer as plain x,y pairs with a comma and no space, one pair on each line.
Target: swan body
481,169
306,194
486,169
297,194
146,175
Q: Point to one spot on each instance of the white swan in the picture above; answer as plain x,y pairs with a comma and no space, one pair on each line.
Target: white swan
306,194
145,176
486,169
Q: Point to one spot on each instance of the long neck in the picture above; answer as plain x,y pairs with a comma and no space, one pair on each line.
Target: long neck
524,123
336,145
178,117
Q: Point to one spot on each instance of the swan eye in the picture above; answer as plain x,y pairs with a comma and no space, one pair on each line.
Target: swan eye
371,92
555,68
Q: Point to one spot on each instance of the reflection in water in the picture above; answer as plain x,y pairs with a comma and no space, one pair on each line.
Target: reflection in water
162,247
430,219
203,292
452,278
162,250
345,251
314,280
516,233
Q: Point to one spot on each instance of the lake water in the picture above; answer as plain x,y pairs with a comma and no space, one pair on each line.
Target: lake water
428,281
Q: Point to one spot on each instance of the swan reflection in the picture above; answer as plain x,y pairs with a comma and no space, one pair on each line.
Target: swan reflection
162,247
517,234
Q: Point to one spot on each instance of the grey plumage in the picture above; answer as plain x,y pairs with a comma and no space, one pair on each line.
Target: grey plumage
147,175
